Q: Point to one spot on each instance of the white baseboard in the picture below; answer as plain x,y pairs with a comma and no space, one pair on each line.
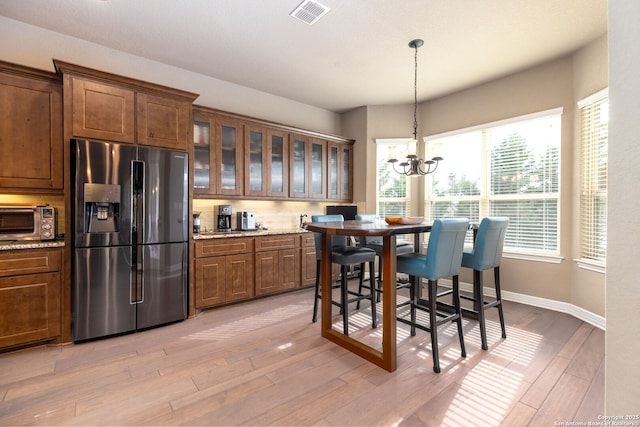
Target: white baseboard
562,307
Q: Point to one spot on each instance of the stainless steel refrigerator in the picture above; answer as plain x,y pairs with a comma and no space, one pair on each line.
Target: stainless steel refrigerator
130,238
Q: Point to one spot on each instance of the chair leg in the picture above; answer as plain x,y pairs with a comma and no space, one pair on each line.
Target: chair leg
379,278
314,319
372,281
413,298
478,291
456,304
496,274
344,299
360,284
433,320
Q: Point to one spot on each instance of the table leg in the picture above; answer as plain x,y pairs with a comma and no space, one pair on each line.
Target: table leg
389,280
387,358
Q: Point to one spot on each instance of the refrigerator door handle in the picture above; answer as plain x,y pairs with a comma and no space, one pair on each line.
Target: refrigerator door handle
136,284
138,196
137,228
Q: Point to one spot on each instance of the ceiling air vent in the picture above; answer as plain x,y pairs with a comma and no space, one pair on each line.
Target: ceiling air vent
309,11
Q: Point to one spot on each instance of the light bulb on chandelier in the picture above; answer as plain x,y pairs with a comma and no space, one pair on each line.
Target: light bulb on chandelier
414,166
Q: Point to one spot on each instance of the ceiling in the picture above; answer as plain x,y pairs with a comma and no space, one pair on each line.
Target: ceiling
357,54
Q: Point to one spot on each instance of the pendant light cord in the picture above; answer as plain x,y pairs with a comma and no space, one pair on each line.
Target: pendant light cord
415,94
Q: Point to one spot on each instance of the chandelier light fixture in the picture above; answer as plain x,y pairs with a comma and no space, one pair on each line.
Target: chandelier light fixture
414,166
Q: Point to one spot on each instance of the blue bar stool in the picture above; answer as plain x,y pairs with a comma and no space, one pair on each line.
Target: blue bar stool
345,256
486,254
443,259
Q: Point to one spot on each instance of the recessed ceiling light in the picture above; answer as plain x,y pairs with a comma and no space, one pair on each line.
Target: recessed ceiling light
309,11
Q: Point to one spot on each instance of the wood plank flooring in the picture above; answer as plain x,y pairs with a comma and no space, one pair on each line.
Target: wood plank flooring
264,363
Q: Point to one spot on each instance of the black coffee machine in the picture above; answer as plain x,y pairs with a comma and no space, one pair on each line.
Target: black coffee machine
223,220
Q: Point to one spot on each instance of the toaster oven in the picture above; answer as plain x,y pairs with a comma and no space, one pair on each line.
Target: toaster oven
27,223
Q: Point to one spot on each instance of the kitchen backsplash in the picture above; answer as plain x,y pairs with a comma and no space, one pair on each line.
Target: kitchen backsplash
274,215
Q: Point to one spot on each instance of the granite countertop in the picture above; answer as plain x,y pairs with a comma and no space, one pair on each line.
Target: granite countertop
35,244
237,233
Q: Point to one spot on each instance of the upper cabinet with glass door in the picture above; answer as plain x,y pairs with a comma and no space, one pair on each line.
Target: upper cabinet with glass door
240,157
217,155
278,163
339,175
318,169
255,160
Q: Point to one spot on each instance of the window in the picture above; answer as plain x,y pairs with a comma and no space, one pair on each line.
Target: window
393,188
594,120
508,169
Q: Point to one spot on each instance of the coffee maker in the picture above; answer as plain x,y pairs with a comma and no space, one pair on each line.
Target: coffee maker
223,220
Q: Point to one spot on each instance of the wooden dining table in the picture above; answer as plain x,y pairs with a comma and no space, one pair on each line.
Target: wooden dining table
387,358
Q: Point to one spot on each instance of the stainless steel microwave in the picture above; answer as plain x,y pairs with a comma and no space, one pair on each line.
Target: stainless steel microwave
27,223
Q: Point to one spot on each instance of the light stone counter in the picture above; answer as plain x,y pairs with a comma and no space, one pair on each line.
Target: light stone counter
238,233
17,245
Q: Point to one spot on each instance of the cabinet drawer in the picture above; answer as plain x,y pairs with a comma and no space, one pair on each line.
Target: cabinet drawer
16,263
280,241
307,240
217,247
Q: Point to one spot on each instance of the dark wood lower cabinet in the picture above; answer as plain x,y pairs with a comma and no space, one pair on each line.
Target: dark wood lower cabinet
30,286
240,268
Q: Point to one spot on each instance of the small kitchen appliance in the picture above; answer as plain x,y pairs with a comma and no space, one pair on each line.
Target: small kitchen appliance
223,221
196,222
246,221
27,223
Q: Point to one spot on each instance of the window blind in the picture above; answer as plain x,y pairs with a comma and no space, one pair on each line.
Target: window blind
508,169
594,119
393,188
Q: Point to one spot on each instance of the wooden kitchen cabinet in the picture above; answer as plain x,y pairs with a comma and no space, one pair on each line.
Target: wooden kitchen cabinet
102,111
277,263
339,174
241,157
278,163
218,154
266,162
318,169
109,107
30,287
256,160
308,259
163,121
308,175
224,271
31,111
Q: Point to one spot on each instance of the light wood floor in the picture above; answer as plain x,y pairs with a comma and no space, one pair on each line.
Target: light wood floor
264,363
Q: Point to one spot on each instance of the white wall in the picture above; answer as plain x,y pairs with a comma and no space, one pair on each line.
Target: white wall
35,47
622,339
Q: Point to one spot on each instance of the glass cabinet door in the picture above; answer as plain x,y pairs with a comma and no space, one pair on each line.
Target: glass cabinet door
334,169
229,162
278,167
256,150
298,185
202,156
346,177
318,169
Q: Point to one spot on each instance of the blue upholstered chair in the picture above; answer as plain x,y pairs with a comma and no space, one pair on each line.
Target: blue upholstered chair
443,260
486,254
375,243
345,256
